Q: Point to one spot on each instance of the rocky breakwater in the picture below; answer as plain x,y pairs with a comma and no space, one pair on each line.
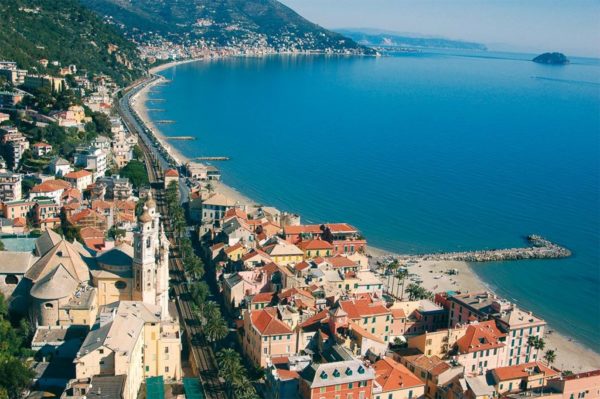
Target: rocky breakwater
540,248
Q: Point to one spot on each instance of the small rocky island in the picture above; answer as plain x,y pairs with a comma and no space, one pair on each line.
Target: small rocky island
551,59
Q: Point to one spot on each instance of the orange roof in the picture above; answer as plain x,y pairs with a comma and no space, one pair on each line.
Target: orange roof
171,173
19,222
255,252
78,175
263,297
320,317
235,212
71,192
314,244
84,214
42,145
341,228
286,375
89,232
357,308
267,323
295,291
393,376
364,333
433,364
50,185
306,229
341,261
523,370
481,336
125,205
233,248
101,204
301,266
398,313
127,217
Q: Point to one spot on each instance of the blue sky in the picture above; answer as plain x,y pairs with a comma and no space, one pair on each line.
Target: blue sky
569,26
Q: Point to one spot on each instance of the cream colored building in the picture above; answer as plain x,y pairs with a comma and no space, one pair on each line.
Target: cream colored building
133,339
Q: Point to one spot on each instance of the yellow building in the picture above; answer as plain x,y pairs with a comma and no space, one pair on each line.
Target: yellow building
113,276
436,343
283,253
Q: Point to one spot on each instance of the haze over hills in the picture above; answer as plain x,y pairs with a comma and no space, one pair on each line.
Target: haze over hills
67,32
377,38
221,23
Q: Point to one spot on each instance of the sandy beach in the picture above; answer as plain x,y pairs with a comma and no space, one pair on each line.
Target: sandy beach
570,354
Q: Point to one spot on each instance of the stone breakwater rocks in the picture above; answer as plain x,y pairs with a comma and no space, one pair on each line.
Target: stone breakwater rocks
540,248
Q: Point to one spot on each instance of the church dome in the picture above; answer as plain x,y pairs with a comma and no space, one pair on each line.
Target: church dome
145,216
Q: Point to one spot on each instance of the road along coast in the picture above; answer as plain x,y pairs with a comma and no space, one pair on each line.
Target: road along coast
570,354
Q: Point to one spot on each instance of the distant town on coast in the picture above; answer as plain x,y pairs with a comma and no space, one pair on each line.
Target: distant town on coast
140,258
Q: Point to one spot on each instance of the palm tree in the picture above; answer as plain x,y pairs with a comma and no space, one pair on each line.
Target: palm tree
216,329
402,275
228,360
416,292
539,346
531,341
550,356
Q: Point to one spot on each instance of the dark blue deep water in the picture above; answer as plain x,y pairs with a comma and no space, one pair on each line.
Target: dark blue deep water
422,152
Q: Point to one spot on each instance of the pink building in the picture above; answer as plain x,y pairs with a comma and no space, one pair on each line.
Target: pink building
578,386
266,336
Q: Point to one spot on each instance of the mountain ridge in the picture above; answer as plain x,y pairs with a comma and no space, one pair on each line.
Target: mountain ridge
224,23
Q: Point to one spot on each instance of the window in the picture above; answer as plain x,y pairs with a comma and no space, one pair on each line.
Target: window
410,394
11,279
48,305
323,389
362,384
120,285
265,351
166,369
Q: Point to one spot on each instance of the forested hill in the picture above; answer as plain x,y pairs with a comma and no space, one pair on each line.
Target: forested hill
221,23
64,31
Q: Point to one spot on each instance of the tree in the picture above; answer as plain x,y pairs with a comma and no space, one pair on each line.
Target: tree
537,343
416,292
1,245
550,356
402,275
136,172
215,329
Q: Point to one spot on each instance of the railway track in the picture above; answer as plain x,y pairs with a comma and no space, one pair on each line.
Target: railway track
201,354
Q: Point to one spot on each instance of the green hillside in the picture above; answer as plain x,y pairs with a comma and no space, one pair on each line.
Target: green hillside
224,23
67,32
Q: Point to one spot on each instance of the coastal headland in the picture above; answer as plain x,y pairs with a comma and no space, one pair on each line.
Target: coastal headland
429,268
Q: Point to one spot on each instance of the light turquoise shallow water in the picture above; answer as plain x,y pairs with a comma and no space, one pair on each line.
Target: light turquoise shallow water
422,152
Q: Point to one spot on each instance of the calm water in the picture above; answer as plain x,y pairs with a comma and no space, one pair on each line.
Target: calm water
422,152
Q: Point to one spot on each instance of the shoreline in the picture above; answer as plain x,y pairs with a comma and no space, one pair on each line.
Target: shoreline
570,354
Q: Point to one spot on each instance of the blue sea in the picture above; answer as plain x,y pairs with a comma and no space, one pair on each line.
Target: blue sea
422,152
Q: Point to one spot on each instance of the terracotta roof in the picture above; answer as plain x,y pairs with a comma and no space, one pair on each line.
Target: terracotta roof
585,374
301,266
364,333
91,232
236,212
267,323
316,228
393,376
357,308
41,145
50,185
171,173
255,252
295,291
77,175
480,336
320,317
522,371
19,222
428,363
234,248
398,313
286,375
262,297
341,261
314,244
84,214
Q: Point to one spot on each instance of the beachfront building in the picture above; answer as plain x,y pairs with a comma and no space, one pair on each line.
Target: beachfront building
314,248
345,238
481,349
577,386
394,381
342,379
517,324
266,336
215,206
522,377
436,343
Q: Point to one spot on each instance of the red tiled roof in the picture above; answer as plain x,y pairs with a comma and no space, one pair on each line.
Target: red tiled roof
295,291
481,336
235,212
19,222
50,185
303,229
314,244
357,308
317,318
523,370
263,297
233,248
84,214
341,261
78,175
267,323
393,376
41,145
255,252
286,375
171,173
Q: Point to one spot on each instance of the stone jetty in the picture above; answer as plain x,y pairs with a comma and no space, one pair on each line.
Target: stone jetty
540,248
